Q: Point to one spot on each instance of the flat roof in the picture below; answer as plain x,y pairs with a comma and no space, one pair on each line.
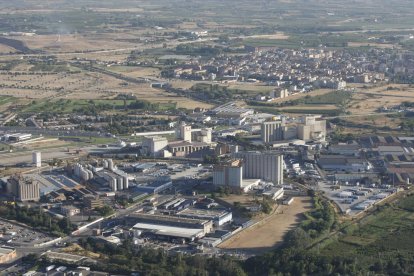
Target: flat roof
203,212
6,250
168,230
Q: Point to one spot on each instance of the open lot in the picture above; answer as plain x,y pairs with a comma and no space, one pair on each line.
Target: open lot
269,232
15,235
370,99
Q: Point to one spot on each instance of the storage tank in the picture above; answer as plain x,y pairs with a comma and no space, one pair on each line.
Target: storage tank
112,184
84,174
126,182
120,183
110,165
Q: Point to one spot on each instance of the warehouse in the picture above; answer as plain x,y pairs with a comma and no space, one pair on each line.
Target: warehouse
205,225
275,193
155,187
7,254
170,232
219,217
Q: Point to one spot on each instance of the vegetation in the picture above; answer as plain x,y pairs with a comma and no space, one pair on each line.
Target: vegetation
37,219
126,259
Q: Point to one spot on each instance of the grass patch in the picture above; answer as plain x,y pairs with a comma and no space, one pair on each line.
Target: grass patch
386,234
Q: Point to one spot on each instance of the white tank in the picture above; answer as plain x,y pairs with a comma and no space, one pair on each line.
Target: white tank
112,184
126,182
120,183
111,165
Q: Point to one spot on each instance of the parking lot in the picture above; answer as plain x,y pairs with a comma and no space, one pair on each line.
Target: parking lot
296,168
353,199
15,235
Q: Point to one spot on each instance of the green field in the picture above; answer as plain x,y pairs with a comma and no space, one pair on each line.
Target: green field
384,237
91,106
6,100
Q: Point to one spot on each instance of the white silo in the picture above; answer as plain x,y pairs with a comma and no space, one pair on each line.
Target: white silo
110,165
37,159
126,182
120,183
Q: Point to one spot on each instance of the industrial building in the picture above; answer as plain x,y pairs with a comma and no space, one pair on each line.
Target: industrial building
343,163
229,174
183,148
267,166
7,254
312,129
185,133
219,217
231,110
171,227
69,210
274,193
37,159
107,175
272,131
18,137
155,187
92,201
155,145
23,188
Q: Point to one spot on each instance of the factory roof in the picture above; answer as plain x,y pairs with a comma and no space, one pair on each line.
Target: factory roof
6,250
171,231
191,212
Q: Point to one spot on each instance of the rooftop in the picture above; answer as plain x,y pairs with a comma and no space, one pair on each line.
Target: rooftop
169,230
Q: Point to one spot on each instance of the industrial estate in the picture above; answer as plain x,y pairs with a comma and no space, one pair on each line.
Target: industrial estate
137,139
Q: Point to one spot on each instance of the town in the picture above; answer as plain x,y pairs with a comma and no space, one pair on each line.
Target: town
206,138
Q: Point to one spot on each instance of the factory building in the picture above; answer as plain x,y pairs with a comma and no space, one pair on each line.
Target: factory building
82,173
229,174
312,129
275,193
219,217
267,166
171,227
185,132
155,187
18,137
92,202
272,131
37,159
117,180
155,145
203,136
23,188
7,254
